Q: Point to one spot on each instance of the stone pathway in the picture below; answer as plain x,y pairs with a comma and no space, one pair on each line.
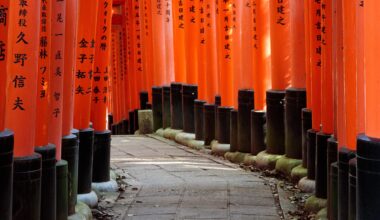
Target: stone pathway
169,181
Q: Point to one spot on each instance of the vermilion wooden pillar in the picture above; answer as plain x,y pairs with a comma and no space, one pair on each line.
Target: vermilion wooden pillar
243,70
85,45
148,42
360,66
6,136
21,106
368,144
245,10
281,68
224,30
327,102
102,137
169,41
179,40
138,51
350,73
159,45
295,96
115,84
201,15
262,52
69,140
261,72
350,70
212,76
191,40
42,118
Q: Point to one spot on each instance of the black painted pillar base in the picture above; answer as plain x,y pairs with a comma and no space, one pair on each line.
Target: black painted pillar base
70,153
209,112
333,192
27,187
295,101
114,129
136,114
306,125
352,190
275,122
125,126
110,121
144,100
258,131
311,148
234,131
48,182
368,178
223,124
189,95
86,151
246,104
332,157
157,107
198,117
218,100
166,105
62,193
321,165
102,157
132,127
176,106
344,156
6,173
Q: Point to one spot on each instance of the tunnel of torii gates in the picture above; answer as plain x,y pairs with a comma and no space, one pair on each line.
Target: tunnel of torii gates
294,80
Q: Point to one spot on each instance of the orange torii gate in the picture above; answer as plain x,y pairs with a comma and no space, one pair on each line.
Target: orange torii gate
280,71
70,139
368,144
84,71
101,75
261,72
6,136
21,82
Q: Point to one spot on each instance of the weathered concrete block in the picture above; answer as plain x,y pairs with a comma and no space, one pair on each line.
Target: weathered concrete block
90,199
197,145
267,161
285,165
306,185
219,149
82,212
314,204
298,173
322,215
184,138
145,121
160,132
171,133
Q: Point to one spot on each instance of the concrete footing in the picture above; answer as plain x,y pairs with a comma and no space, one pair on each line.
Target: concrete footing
306,185
82,212
170,133
160,132
219,149
285,165
298,173
184,138
145,121
314,204
110,186
267,161
90,199
322,215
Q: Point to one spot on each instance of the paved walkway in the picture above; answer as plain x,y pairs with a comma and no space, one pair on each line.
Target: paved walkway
169,181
